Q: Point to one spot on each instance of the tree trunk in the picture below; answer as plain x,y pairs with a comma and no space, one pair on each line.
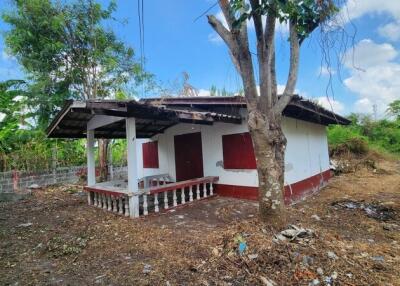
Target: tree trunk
269,148
103,159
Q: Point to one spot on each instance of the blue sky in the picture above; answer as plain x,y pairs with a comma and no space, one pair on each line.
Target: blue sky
175,42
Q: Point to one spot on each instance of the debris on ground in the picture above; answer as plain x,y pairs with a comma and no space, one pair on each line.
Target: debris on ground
34,187
373,210
294,233
147,268
70,243
332,255
316,217
25,224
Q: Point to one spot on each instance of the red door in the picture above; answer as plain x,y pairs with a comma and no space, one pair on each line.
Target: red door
188,156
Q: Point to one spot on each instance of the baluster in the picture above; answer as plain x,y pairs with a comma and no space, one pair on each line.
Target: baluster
191,188
145,211
121,209
126,206
114,204
98,195
109,207
183,196
198,192
174,198
158,182
100,202
211,188
94,199
205,190
104,202
89,198
165,199
156,209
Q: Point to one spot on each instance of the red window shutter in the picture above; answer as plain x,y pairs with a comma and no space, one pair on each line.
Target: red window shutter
238,152
150,154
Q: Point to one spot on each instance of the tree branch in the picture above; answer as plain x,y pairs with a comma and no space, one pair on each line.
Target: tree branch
223,32
265,67
293,71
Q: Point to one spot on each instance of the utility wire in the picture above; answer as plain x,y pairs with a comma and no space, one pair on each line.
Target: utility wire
140,11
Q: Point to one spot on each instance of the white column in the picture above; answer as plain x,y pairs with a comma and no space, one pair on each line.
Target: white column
132,167
91,168
91,172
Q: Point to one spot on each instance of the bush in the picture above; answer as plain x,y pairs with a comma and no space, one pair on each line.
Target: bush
356,146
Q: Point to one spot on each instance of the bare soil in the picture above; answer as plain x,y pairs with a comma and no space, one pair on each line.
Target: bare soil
54,238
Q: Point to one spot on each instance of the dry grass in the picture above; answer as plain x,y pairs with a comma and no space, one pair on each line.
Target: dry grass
69,243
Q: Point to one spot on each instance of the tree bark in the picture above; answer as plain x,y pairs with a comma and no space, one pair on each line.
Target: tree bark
269,148
264,110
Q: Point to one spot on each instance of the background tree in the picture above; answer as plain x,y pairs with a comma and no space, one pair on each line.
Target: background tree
265,108
394,109
68,54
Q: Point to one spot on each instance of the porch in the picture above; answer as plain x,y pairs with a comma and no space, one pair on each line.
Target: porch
155,194
140,195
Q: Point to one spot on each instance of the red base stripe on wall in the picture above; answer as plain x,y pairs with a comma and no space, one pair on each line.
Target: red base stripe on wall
293,193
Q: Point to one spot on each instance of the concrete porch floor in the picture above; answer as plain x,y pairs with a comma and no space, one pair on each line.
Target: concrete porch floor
208,213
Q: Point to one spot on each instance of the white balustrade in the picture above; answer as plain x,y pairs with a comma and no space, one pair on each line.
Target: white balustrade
126,206
156,208
191,188
198,192
145,210
183,196
166,200
174,199
120,206
118,202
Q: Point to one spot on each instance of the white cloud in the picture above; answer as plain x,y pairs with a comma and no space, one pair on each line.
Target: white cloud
377,82
331,104
326,71
354,9
203,92
390,31
367,54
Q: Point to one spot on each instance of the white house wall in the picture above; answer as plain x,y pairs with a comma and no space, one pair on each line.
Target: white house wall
306,152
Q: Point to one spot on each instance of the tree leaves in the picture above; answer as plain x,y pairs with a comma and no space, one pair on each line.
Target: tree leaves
306,14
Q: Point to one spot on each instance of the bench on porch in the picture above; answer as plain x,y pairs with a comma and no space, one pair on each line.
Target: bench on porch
160,194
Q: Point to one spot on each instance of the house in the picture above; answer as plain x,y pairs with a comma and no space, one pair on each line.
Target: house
181,149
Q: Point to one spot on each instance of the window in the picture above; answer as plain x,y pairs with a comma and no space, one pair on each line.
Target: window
150,154
238,152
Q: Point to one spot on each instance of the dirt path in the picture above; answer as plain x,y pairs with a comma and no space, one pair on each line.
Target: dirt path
53,238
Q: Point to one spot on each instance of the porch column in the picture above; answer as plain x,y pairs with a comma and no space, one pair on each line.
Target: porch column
132,168
91,169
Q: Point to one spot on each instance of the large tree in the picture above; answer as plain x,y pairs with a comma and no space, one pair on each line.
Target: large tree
265,107
67,53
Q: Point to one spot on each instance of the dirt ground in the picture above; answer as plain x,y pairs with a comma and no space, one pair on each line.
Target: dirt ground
54,238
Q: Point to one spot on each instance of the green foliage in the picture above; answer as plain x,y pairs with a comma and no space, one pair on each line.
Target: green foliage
394,109
382,135
306,14
214,91
67,53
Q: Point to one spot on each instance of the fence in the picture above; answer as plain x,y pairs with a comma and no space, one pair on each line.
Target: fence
20,180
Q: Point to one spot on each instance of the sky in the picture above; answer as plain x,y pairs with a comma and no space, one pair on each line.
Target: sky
177,40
